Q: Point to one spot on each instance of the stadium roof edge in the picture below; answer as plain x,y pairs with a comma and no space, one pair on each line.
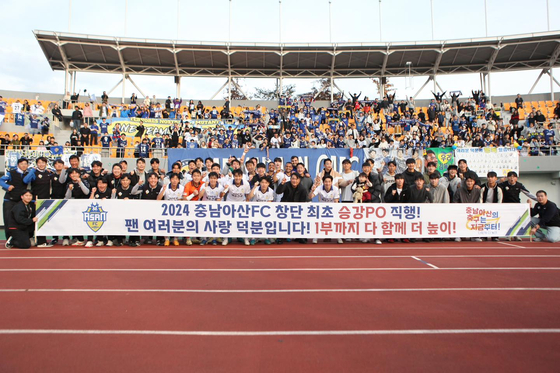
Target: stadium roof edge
92,53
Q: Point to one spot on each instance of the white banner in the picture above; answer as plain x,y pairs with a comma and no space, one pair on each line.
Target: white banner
483,160
286,220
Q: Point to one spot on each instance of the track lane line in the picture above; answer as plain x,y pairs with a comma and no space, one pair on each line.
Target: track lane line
426,263
266,269
281,332
512,245
380,290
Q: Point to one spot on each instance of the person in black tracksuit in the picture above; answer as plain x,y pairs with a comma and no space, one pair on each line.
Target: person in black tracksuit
95,174
418,193
102,191
22,222
149,191
511,191
410,174
40,179
397,193
292,192
12,182
77,188
58,186
124,191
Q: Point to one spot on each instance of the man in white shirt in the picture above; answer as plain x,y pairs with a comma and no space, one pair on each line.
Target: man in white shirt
327,193
348,176
237,192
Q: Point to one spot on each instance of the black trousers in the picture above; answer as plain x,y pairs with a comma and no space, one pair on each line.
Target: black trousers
7,210
20,238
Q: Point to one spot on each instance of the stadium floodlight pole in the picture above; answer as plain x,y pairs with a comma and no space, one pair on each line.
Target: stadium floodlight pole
432,16
69,14
280,21
229,25
486,17
548,14
380,28
178,19
330,22
125,15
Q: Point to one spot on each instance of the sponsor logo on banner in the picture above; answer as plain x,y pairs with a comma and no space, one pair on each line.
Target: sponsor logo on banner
95,217
479,219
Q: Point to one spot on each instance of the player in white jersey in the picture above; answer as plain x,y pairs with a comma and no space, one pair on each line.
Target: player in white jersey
222,180
327,193
237,192
171,192
261,192
212,191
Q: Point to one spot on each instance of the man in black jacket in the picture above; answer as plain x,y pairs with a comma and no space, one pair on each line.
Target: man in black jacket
464,173
549,219
22,222
376,188
410,174
419,193
292,192
397,192
13,183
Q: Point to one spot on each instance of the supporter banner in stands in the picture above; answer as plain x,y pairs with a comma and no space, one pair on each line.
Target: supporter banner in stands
129,126
382,157
312,158
483,160
211,123
12,157
442,156
289,220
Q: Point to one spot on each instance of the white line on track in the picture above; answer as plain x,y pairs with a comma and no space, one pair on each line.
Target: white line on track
512,245
423,261
280,333
268,269
281,257
397,290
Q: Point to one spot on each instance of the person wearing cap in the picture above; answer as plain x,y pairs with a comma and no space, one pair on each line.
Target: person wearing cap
21,223
467,193
13,183
546,227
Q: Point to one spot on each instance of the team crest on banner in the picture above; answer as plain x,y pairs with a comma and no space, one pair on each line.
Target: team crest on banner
95,217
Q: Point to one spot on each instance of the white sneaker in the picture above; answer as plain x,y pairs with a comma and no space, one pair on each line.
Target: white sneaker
348,240
536,239
340,240
45,245
99,243
89,244
109,243
518,239
458,239
225,241
8,243
477,239
378,242
247,243
189,242
65,242
78,243
364,240
314,240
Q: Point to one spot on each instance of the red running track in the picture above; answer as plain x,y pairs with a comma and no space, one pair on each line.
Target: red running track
482,310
